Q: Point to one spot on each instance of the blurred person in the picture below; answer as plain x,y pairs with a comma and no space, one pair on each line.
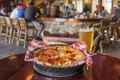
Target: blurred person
21,10
47,7
30,16
96,12
30,12
101,11
18,12
3,11
12,5
115,12
13,13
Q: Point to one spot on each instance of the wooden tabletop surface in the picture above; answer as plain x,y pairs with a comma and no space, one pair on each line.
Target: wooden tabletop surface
103,68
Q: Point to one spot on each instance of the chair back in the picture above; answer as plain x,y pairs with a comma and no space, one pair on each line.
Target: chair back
15,23
8,21
2,20
23,24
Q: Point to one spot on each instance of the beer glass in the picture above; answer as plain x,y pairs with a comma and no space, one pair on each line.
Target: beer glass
86,36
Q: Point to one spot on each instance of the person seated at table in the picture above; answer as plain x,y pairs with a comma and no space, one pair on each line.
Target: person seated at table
3,11
104,12
96,12
101,12
115,12
18,12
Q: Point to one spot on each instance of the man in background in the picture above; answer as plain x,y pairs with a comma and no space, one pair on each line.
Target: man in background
116,12
30,12
30,16
18,12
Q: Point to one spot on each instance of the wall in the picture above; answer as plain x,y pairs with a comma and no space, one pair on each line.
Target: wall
115,2
39,3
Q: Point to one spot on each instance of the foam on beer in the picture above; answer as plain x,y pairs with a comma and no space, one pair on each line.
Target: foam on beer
86,35
86,30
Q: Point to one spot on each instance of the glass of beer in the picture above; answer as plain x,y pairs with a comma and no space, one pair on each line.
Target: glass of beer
86,35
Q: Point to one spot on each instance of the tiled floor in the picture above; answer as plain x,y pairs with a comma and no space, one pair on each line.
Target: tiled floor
6,50
113,49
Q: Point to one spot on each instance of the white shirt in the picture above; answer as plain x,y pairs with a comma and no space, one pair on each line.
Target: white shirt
13,13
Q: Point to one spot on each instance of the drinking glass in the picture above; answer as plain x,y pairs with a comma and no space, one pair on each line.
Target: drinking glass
86,35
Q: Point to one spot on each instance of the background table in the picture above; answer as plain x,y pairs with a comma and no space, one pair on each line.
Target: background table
15,68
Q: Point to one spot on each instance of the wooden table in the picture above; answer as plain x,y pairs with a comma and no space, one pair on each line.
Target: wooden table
15,68
71,21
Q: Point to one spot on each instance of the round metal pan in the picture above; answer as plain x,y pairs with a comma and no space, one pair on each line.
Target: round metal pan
51,71
58,72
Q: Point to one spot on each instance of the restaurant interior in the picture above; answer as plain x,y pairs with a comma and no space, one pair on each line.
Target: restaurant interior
59,39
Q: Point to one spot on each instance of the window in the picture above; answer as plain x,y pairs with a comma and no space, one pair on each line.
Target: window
107,4
78,5
94,3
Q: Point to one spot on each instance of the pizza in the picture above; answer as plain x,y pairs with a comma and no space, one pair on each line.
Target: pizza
59,56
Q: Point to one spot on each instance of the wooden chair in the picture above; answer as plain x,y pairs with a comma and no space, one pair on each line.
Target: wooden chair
2,26
23,32
107,33
31,30
9,29
16,31
98,37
